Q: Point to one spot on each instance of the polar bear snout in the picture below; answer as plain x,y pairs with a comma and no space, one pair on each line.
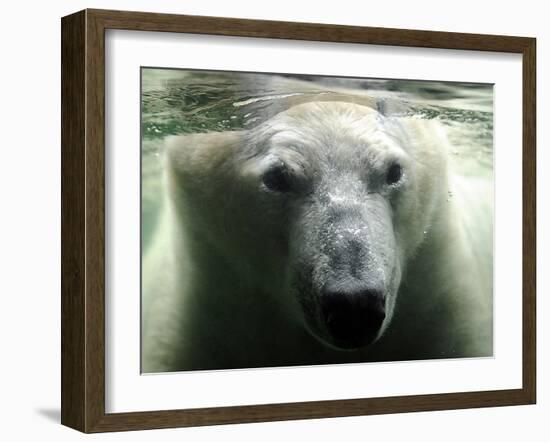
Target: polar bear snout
348,269
353,315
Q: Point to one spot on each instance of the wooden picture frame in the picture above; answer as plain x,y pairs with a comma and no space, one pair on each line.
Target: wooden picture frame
83,220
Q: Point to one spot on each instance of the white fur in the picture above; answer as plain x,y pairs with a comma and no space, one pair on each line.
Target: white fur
216,280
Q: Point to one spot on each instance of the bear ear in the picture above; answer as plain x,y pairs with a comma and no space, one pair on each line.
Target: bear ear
388,107
382,107
202,152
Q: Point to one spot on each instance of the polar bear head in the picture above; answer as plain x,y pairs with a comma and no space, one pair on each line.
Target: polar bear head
321,207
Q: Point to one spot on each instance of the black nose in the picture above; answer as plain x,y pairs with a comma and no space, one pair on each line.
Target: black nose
353,315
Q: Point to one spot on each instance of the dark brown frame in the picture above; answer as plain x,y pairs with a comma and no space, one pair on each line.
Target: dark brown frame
83,217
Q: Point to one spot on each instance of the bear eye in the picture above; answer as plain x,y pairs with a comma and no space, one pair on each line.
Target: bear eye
394,174
277,178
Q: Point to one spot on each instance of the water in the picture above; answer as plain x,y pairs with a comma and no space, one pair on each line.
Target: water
180,101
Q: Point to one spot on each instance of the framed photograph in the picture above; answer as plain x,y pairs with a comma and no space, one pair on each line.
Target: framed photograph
268,220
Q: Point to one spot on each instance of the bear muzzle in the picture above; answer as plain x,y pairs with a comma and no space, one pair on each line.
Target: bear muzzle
353,314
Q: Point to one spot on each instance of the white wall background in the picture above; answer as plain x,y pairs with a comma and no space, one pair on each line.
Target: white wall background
30,217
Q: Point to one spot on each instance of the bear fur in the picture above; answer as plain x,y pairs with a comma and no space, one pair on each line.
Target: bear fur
256,224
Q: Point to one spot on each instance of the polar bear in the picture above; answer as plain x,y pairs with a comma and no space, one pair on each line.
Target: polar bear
329,233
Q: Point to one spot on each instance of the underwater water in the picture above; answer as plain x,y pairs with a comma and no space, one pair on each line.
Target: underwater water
183,101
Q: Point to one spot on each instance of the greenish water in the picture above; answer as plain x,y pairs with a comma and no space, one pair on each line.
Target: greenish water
180,101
